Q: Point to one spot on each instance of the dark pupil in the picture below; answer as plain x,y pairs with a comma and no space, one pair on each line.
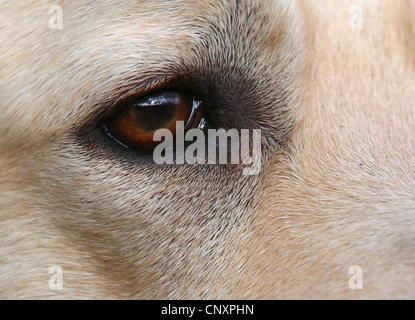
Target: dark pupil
151,117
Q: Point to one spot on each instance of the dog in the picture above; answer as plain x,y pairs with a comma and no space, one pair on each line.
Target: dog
331,212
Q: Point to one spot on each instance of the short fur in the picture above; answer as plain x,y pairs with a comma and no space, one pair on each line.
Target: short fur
336,189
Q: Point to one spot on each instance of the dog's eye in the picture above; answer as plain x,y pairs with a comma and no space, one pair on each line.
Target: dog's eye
135,124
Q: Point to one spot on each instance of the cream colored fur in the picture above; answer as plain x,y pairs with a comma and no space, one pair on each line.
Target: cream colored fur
337,186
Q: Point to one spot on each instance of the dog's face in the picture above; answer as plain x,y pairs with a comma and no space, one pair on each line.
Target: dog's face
335,105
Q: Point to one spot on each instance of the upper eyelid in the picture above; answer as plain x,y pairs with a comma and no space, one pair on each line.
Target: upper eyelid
122,94
167,83
105,100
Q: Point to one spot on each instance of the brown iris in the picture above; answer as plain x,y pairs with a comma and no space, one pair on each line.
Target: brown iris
135,124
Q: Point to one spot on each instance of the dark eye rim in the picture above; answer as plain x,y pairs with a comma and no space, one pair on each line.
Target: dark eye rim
90,133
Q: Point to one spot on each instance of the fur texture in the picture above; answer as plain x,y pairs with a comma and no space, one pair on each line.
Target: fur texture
336,107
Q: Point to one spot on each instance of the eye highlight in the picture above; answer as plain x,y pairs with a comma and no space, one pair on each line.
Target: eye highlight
135,124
